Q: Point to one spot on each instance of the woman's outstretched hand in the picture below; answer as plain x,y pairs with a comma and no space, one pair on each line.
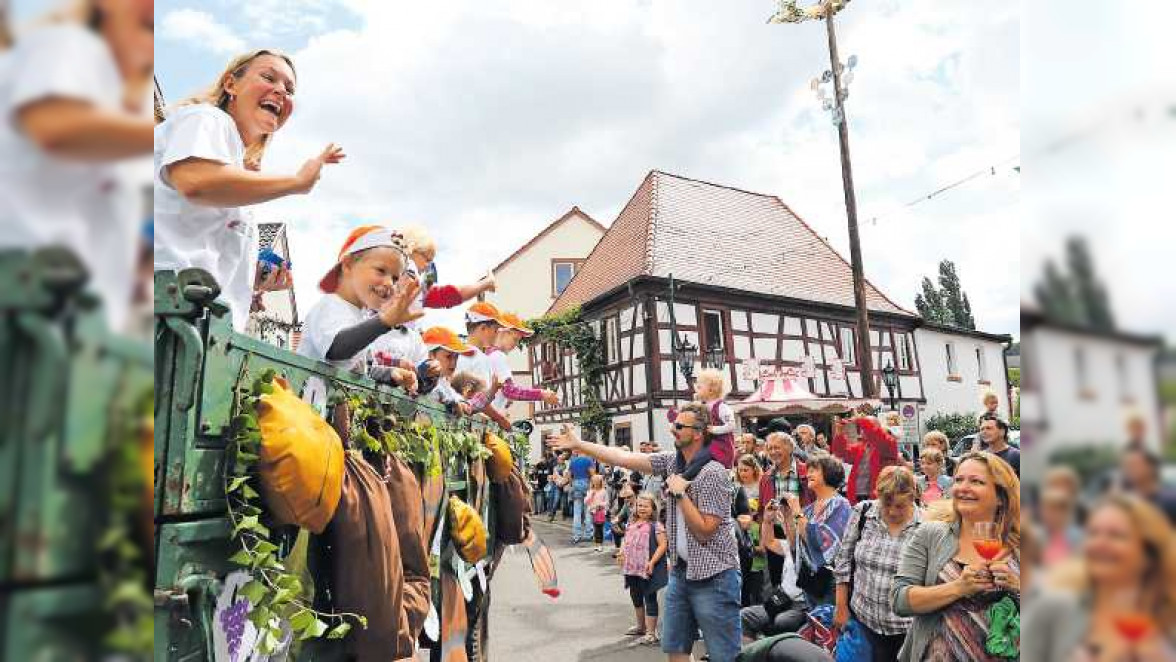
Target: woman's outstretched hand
308,175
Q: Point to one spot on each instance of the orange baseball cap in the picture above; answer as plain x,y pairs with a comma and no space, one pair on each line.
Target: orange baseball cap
441,337
361,239
512,321
484,311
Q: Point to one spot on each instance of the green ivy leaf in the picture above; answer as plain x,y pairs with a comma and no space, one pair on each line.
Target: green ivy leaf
339,631
254,592
260,617
242,558
237,483
247,523
250,493
302,619
265,547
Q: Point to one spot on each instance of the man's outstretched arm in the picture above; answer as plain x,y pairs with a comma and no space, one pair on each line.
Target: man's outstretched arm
609,455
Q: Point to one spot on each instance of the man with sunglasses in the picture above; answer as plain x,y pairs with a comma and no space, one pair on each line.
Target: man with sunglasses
704,586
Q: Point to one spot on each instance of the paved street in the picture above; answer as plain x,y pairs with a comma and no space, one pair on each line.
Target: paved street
587,622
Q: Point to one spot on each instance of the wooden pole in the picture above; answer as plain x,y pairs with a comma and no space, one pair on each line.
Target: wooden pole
865,358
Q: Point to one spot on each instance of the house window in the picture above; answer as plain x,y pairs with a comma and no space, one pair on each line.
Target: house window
611,344
952,367
712,322
1124,377
562,272
848,348
1080,371
904,353
981,366
623,436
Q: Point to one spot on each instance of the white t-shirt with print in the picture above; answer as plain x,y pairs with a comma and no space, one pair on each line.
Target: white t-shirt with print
220,240
475,364
330,315
499,367
49,201
401,343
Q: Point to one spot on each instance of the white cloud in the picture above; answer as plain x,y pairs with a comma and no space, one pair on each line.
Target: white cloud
200,29
486,121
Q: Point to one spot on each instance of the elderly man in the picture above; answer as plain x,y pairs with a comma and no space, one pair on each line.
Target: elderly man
806,438
788,476
704,586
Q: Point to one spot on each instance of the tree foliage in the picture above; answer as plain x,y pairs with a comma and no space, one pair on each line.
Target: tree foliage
1076,295
948,304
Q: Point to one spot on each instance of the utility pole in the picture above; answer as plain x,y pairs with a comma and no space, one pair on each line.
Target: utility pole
827,9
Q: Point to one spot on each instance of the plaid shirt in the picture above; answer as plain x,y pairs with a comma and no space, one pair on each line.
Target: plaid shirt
710,492
876,561
788,483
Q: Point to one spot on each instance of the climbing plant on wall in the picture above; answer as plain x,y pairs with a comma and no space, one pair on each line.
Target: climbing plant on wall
568,330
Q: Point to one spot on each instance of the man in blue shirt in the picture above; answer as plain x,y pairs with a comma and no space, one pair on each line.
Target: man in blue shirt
581,470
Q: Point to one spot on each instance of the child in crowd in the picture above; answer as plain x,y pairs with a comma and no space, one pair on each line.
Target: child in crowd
596,504
483,320
643,562
422,251
934,484
339,328
444,346
621,515
512,331
710,389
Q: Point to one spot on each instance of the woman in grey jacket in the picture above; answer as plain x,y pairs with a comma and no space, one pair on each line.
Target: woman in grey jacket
941,576
1128,568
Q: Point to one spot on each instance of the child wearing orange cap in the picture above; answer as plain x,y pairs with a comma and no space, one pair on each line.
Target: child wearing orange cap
483,320
445,348
339,328
509,336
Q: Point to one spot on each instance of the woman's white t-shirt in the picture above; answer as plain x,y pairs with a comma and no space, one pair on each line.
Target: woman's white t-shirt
220,240
49,201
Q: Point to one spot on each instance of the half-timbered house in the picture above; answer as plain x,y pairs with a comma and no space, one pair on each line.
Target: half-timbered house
752,281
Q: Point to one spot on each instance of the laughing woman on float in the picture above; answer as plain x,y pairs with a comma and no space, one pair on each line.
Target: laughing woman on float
207,157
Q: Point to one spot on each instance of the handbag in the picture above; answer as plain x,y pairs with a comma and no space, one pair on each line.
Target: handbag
813,581
853,645
598,516
777,603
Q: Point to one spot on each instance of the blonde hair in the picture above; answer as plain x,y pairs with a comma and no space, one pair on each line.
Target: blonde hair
896,481
216,95
596,482
418,239
712,381
1159,541
938,437
1063,477
932,454
989,395
782,436
1008,493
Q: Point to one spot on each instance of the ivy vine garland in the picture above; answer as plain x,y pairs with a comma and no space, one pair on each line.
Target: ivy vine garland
275,593
568,330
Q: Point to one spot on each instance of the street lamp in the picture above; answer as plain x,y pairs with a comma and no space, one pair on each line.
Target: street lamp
687,353
890,379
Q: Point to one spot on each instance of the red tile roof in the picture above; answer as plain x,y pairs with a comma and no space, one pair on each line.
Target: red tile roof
717,235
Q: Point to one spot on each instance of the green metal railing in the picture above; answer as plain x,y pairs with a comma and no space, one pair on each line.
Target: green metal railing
201,365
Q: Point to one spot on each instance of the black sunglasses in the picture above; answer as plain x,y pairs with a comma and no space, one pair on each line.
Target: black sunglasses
679,426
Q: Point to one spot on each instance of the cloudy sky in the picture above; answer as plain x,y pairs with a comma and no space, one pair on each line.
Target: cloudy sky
486,121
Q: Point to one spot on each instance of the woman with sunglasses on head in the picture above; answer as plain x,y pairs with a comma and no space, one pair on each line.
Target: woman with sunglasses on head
208,155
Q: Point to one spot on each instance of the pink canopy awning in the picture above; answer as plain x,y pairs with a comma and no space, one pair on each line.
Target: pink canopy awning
781,395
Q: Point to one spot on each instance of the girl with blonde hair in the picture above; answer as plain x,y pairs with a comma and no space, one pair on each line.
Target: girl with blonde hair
208,155
710,388
596,505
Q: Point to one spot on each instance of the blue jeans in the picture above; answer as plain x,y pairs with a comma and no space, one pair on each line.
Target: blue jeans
552,499
580,528
710,605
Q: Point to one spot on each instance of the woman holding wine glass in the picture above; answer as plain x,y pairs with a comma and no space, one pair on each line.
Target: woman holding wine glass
1118,602
952,572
